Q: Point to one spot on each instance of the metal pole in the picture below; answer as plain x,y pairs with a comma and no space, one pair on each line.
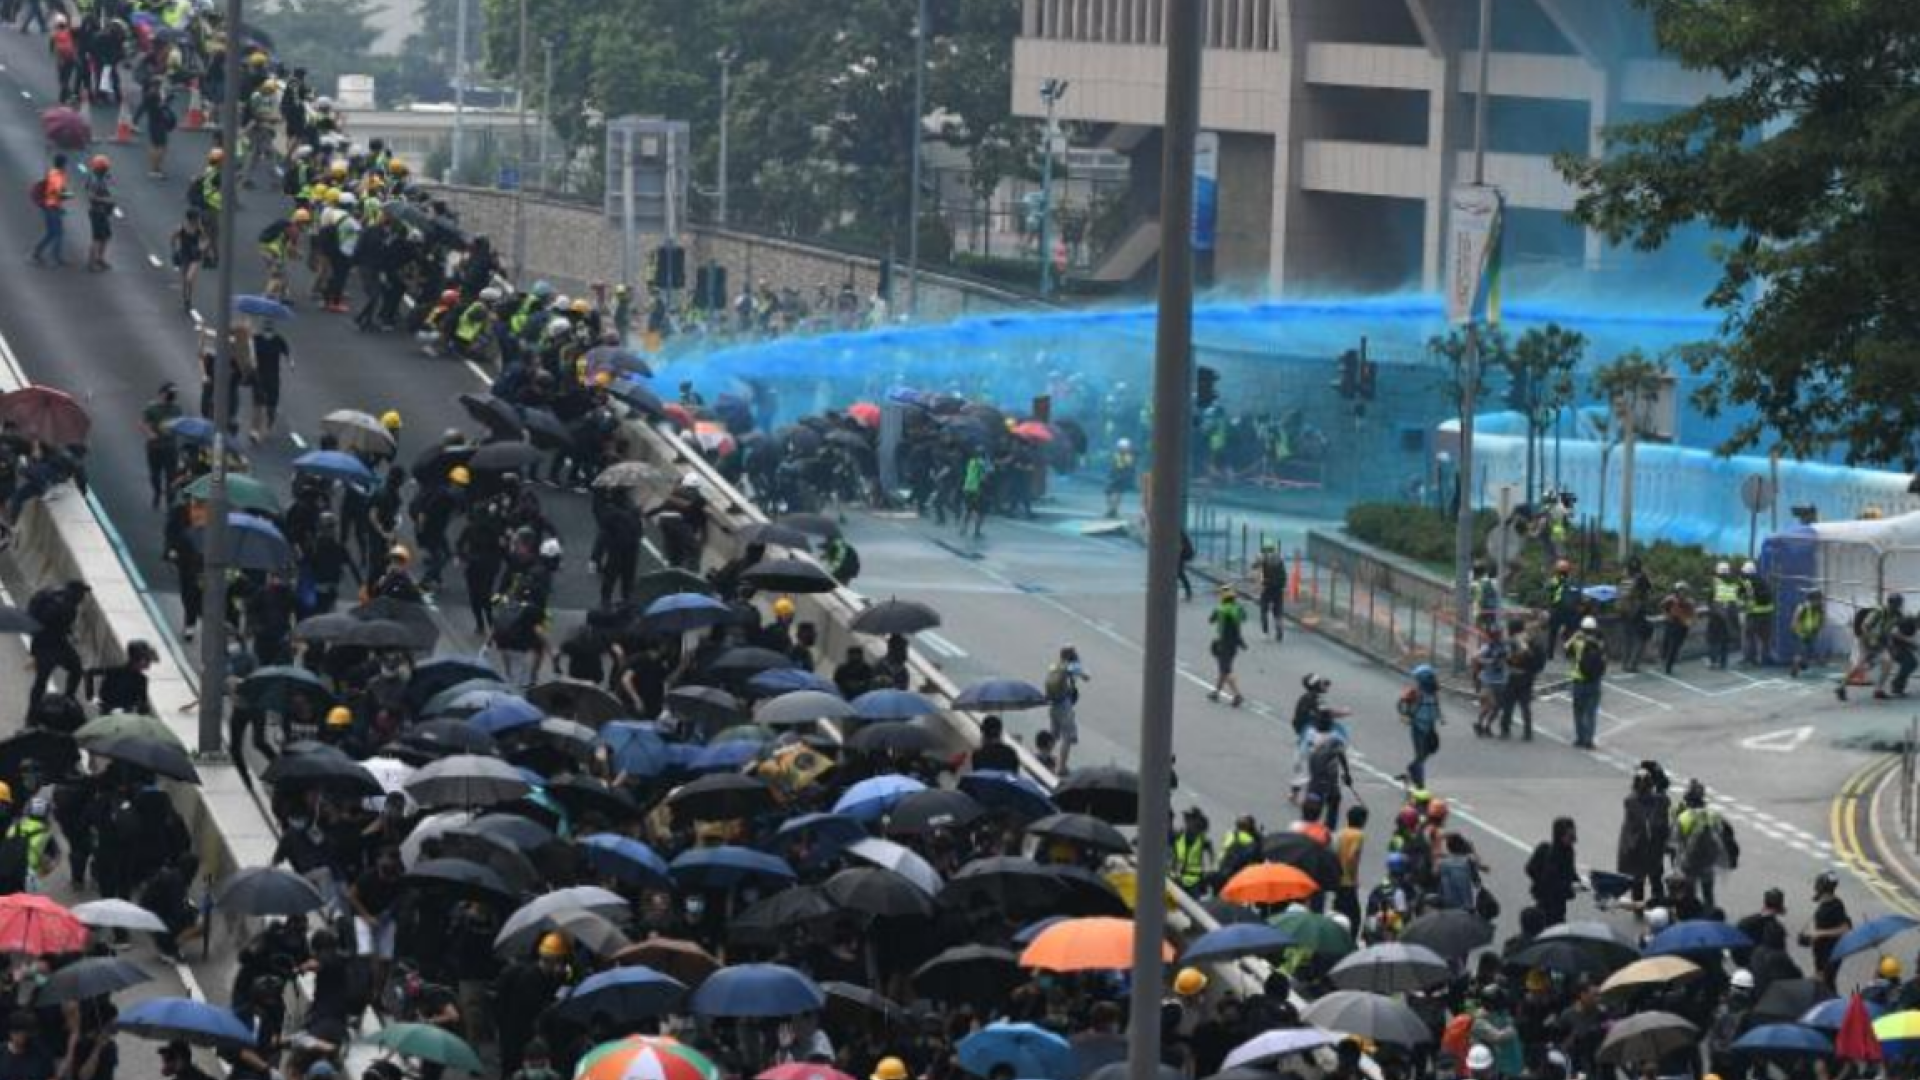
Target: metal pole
213,646
1046,202
1470,375
546,111
1172,417
459,89
726,88
628,251
520,159
672,209
920,26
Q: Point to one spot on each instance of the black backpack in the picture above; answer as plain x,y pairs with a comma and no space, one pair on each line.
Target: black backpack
1593,661
14,852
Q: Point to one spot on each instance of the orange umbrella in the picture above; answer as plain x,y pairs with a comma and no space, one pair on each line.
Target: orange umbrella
866,412
1085,945
1269,883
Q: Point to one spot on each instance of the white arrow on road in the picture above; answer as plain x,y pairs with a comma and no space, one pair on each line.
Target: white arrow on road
1784,741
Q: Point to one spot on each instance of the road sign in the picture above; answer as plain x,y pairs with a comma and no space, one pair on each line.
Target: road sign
1756,493
1784,741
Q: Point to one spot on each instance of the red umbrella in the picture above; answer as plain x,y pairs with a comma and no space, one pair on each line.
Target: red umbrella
32,924
1033,430
1856,1040
46,414
869,416
66,128
800,1070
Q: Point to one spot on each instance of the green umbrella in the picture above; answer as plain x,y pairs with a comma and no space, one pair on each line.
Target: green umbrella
1315,932
428,1043
274,687
243,493
123,725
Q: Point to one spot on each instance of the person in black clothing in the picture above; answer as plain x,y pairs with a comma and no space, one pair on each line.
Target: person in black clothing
22,1058
93,1055
482,548
270,617
854,676
1552,873
270,351
124,688
184,554
327,560
1186,556
57,610
994,753
432,511
616,547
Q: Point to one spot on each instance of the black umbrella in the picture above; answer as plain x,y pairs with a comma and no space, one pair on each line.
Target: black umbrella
818,525
1082,829
850,1005
802,707
430,678
462,876
969,973
774,919
1563,955
580,701
746,661
96,976
54,753
1786,1000
15,621
435,462
1299,850
269,890
1107,792
1088,894
588,795
325,629
500,418
721,797
1647,1036
514,867
902,737
895,617
159,758
789,575
324,767
438,738
1453,934
926,811
503,457
528,836
708,706
467,780
545,430
415,617
378,634
1007,882
776,535
870,890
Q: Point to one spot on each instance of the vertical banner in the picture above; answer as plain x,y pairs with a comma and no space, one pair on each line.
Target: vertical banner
1206,188
1473,254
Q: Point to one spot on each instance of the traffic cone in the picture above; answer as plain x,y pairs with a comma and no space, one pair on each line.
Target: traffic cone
196,114
123,124
1293,579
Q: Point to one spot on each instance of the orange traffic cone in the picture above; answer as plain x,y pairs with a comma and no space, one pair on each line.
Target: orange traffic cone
1293,579
123,124
196,114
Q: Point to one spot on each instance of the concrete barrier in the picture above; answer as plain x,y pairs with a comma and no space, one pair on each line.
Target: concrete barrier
67,537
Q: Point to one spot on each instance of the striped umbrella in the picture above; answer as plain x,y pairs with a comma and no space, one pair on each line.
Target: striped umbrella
645,1057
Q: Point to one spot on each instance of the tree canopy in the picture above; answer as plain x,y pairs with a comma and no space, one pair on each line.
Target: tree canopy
1806,161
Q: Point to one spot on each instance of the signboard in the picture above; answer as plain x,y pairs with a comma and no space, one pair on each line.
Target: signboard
1206,188
1473,254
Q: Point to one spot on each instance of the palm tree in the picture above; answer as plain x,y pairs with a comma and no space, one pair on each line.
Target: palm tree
1632,385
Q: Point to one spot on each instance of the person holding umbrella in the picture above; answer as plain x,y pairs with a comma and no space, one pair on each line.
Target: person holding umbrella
50,195
176,1063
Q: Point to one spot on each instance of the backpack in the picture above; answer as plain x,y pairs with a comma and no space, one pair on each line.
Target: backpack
1593,661
37,191
49,608
1323,765
15,851
1056,686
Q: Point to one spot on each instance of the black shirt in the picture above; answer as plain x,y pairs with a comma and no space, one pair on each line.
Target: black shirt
996,755
375,893
30,1064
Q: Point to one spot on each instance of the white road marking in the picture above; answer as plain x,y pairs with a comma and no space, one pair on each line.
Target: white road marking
195,312
298,442
119,214
1784,741
942,646
26,95
479,372
155,260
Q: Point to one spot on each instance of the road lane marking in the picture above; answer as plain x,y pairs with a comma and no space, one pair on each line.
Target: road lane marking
479,372
298,442
1784,741
1843,822
155,260
942,646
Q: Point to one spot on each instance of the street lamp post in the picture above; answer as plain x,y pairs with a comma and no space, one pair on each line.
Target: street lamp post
726,100
459,89
546,111
213,646
1470,373
1051,91
920,27
520,157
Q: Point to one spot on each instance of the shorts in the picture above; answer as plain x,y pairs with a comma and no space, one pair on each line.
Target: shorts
1064,724
101,226
374,939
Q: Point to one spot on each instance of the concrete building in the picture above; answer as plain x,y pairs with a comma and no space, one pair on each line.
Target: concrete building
1343,123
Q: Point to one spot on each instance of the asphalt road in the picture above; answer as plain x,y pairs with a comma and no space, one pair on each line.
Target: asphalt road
113,338
1774,752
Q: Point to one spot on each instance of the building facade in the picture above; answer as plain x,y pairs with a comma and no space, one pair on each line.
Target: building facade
1342,124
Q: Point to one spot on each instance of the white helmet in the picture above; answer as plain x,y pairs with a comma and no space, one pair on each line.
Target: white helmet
347,198
1723,568
558,325
1658,919
1748,568
1124,444
491,294
1742,980
1589,623
563,301
550,548
1479,1059
692,482
324,104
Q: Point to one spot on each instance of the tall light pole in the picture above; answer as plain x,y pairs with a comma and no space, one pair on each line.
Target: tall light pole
213,646
520,160
921,25
1051,91
459,89
1172,417
1470,373
546,110
726,100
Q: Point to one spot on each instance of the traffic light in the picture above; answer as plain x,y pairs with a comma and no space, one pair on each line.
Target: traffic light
1369,375
1208,392
1349,382
670,267
710,287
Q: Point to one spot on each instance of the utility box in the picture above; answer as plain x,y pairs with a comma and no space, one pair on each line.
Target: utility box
642,154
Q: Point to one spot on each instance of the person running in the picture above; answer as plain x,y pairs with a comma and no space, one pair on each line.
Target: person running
1228,619
155,111
50,195
1063,696
1677,612
99,211
190,244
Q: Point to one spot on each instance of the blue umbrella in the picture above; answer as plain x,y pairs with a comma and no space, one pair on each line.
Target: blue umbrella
1021,796
757,990
506,714
874,796
170,1018
1697,935
1871,933
252,543
635,748
1770,1039
1031,1051
678,613
625,994
1000,695
261,307
788,680
1026,934
892,705
833,831
1236,940
335,465
727,867
192,430
625,859
722,757
1828,1015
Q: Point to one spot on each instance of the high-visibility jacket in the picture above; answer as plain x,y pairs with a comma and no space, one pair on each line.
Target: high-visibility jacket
1726,592
1192,855
1809,619
472,322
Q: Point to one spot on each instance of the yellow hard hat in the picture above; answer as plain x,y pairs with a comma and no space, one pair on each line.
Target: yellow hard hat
216,155
257,59
1889,968
337,169
302,216
339,716
6,793
1189,982
603,378
397,167
783,607
1538,979
460,476
553,945
581,307
890,1068
333,196
390,420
